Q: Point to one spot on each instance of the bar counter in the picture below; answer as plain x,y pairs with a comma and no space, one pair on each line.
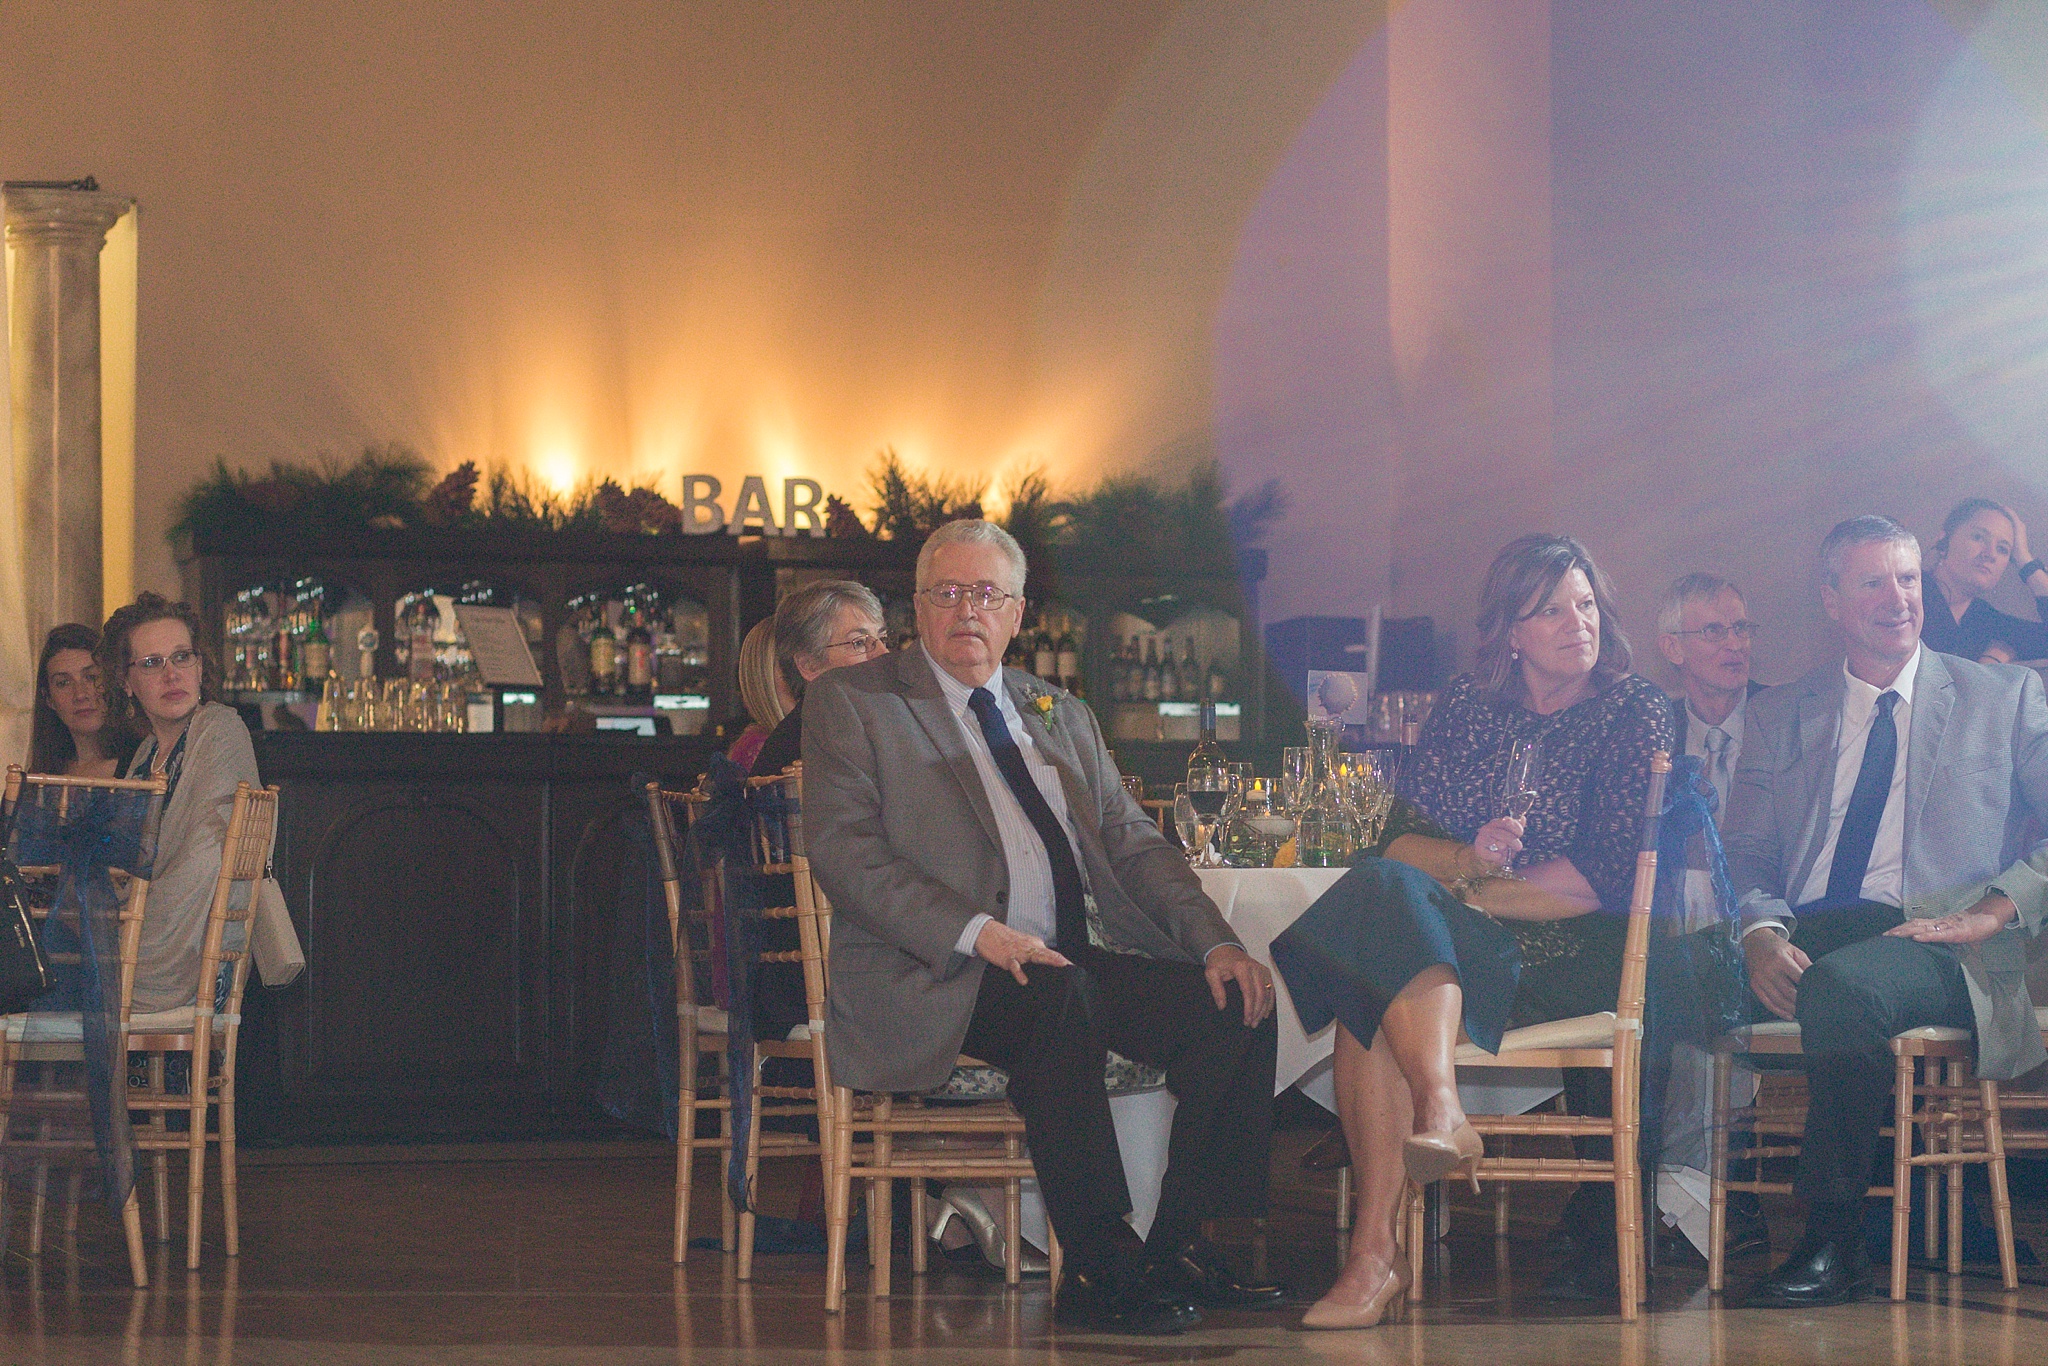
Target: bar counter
458,897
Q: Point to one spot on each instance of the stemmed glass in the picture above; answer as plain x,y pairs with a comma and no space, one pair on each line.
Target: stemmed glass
1197,827
1518,785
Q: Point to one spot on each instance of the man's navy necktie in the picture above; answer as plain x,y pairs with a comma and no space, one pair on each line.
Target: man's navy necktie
1866,805
1070,913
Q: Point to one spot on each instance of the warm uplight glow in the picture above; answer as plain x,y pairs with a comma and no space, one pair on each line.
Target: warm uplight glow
558,469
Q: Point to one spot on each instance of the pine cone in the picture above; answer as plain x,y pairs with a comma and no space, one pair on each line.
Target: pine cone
450,500
842,520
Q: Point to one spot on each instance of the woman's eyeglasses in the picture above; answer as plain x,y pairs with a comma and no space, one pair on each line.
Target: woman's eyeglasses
177,659
1715,632
860,645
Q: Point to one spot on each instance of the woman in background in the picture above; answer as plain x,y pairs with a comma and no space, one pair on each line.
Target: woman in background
168,688
1979,539
1396,952
762,692
72,734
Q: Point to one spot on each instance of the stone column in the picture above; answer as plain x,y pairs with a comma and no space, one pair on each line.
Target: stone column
54,335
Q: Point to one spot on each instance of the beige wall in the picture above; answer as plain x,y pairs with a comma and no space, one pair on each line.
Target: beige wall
1624,269
630,238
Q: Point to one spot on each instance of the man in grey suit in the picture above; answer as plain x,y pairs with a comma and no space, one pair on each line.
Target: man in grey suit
962,816
1888,798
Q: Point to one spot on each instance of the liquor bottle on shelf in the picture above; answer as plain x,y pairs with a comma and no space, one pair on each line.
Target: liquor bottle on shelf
668,656
1218,685
1130,672
1068,660
318,654
1193,682
1044,654
1152,679
604,656
366,652
420,659
281,676
1169,674
639,656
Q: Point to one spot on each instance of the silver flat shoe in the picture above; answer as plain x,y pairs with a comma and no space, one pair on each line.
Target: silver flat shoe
964,1204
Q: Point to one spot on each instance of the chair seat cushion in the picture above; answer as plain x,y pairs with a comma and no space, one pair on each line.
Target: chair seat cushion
178,1021
46,1027
1581,1031
1789,1029
1121,1077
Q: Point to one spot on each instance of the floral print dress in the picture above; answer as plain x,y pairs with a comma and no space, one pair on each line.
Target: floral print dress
1594,780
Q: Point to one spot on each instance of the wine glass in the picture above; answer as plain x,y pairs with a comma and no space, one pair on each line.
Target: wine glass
1518,785
1196,815
1294,776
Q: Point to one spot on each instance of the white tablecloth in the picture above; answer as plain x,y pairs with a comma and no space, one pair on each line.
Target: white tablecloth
1259,903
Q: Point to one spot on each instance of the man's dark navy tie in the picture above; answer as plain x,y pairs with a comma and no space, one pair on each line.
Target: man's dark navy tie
1070,911
1866,805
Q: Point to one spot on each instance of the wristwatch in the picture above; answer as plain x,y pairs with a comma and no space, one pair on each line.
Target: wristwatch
2030,566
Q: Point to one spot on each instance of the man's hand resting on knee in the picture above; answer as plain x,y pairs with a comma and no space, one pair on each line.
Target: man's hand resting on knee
1229,963
1775,968
1972,925
1010,950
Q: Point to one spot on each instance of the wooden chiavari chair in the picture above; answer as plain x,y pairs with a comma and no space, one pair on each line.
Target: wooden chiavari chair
1610,1042
980,1142
700,1028
205,1033
1935,1092
770,858
53,1040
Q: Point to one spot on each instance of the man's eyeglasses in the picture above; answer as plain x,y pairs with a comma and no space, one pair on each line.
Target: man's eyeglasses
180,660
860,645
1715,632
986,596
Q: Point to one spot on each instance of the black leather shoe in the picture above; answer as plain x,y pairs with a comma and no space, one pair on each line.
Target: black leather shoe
1199,1272
1584,1273
1747,1236
1107,1303
1825,1268
1327,1154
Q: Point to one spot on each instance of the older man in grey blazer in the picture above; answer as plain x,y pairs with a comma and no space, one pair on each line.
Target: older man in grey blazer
1889,798
964,817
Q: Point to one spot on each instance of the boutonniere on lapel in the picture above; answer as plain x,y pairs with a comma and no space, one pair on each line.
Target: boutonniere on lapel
1042,703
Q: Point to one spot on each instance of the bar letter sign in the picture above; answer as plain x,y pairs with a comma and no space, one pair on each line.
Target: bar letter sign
803,507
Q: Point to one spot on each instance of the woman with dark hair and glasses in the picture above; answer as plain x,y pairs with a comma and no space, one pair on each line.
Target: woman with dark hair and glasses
72,733
1398,956
1979,540
168,687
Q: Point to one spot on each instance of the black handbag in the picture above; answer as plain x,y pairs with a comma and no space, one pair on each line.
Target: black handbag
24,973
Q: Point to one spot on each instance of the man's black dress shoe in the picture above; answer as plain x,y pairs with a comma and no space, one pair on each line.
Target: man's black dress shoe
1108,1302
1200,1273
1828,1267
1746,1236
1586,1270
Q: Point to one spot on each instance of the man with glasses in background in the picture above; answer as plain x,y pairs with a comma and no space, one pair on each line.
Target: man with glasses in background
1705,634
996,891
818,627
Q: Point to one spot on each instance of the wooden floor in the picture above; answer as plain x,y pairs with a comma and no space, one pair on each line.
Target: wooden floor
559,1255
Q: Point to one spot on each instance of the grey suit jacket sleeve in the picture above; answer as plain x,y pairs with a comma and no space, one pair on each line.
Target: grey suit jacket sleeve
1151,871
868,882
2026,882
1756,857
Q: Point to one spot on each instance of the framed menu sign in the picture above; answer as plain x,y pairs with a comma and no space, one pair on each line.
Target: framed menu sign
498,646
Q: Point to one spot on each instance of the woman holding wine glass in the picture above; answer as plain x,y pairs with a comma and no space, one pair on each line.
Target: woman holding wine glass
1523,799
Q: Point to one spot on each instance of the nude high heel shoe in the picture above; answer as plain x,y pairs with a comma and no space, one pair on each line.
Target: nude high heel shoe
1430,1158
1384,1304
960,1202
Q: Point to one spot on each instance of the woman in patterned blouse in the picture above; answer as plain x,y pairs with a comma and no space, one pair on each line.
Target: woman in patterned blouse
1398,957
